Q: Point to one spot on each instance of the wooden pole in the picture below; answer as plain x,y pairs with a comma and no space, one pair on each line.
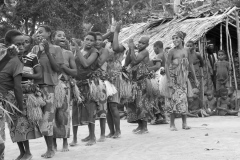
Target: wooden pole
238,35
221,37
230,79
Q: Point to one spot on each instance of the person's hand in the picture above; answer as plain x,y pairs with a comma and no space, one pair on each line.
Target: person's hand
12,51
46,46
131,43
118,27
196,82
113,27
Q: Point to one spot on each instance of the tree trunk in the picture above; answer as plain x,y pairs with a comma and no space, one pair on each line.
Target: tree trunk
26,26
34,20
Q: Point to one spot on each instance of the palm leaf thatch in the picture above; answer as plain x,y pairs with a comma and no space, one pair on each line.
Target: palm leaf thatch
194,28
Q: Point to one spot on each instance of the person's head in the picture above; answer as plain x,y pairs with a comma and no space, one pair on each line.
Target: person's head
223,93
72,45
158,47
44,32
230,91
221,55
99,40
28,41
15,37
143,43
90,40
209,95
59,38
195,92
190,45
178,38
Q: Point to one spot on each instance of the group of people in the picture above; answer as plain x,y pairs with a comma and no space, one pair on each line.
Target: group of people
43,77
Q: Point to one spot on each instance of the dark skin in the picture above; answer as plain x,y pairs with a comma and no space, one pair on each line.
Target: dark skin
60,40
178,52
101,60
44,36
113,118
89,42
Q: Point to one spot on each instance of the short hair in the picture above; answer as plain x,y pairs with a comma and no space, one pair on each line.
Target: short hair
191,42
47,29
167,48
158,44
222,51
98,34
10,35
92,34
31,38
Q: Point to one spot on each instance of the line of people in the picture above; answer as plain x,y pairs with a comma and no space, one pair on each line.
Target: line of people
43,81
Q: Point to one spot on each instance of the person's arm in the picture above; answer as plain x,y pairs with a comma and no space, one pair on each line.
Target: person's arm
116,46
168,62
55,66
219,106
37,74
18,91
155,67
127,59
72,69
106,35
192,69
86,62
201,63
103,58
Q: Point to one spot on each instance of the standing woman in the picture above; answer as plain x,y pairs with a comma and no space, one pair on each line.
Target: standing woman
102,68
61,128
197,61
10,80
85,112
177,68
51,59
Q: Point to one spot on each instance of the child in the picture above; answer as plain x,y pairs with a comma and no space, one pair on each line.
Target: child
211,104
195,108
222,69
224,105
232,98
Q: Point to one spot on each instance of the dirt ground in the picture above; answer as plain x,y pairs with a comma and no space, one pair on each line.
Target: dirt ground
213,138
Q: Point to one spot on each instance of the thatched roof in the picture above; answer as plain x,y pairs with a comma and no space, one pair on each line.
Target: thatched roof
194,28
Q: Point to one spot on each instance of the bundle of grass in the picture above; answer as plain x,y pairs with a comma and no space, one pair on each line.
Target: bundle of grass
60,93
110,88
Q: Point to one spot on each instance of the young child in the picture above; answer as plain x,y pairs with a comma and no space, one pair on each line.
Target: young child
232,98
222,69
224,105
210,104
195,105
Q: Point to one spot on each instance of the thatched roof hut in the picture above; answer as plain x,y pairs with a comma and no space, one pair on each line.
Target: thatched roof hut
162,30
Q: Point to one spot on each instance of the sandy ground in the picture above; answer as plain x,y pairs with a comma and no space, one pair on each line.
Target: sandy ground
213,138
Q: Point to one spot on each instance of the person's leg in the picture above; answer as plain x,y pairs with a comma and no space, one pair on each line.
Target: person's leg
184,122
50,152
27,154
116,119
110,122
172,123
74,142
2,148
86,139
92,137
65,145
55,144
102,127
144,127
21,149
139,128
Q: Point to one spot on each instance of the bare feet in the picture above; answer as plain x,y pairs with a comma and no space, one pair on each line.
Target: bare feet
55,147
102,139
117,135
48,154
20,156
27,157
110,135
86,139
91,142
143,131
173,128
73,143
184,126
65,148
138,129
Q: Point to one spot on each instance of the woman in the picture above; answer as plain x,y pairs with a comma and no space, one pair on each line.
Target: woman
10,80
61,127
51,59
85,112
177,65
198,66
102,68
